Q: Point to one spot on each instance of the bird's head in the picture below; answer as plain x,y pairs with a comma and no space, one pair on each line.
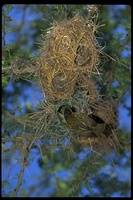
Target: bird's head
66,110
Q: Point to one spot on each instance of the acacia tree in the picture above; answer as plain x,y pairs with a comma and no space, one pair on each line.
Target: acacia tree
66,170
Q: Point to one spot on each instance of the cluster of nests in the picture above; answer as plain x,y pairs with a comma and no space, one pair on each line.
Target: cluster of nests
68,59
69,55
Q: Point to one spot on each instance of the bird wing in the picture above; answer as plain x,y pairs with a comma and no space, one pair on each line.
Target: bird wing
98,130
89,121
77,124
85,126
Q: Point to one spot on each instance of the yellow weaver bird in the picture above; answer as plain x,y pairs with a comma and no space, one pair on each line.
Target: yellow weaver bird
82,124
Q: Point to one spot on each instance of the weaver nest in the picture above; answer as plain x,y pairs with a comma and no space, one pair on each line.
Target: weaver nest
69,51
107,110
101,144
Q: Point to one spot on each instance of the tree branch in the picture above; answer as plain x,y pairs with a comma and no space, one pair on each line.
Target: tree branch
28,123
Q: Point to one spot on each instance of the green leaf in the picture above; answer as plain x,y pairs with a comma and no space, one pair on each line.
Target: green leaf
4,81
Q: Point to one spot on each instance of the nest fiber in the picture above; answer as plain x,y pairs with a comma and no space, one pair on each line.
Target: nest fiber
69,51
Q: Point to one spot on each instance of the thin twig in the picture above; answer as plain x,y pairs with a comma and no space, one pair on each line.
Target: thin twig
17,118
79,182
19,180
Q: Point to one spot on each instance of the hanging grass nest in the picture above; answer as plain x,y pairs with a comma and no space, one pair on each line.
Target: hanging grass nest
107,110
68,59
101,144
89,87
69,51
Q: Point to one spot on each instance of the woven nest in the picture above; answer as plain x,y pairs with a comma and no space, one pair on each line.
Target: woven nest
101,144
67,60
88,85
105,109
69,51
